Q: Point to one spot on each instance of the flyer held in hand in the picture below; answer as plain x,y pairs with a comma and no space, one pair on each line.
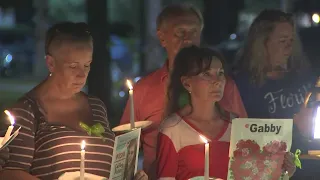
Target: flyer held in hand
125,155
258,147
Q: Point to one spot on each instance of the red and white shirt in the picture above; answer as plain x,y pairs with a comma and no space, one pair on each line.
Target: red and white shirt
149,103
180,152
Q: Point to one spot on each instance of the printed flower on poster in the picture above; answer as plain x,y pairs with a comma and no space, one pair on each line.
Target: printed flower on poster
246,147
248,162
247,178
245,160
275,147
255,171
266,176
274,153
245,152
269,163
274,167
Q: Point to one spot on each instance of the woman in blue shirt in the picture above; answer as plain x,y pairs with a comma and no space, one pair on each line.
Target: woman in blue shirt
272,74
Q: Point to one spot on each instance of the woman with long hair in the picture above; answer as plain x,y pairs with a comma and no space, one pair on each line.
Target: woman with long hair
272,73
199,74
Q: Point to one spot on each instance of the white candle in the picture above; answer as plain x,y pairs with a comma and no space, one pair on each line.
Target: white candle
206,156
83,153
132,125
10,128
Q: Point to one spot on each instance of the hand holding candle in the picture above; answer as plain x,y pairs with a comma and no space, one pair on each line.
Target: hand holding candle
131,104
206,156
10,128
83,152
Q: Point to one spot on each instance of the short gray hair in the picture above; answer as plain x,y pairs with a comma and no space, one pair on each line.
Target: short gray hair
174,10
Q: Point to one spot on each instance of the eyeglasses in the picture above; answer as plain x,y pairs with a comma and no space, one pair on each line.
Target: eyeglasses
65,28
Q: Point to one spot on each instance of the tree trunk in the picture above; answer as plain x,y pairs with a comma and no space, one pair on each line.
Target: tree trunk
99,80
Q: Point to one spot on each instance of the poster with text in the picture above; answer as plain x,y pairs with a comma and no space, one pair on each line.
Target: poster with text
258,147
125,156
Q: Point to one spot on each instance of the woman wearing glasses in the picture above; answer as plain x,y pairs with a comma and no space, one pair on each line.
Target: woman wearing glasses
48,144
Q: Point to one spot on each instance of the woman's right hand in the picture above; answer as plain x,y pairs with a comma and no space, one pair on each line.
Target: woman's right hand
4,156
141,175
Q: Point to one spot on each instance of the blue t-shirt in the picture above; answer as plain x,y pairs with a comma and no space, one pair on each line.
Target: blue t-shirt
280,99
275,98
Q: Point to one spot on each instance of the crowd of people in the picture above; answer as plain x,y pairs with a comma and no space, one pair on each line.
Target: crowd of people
269,79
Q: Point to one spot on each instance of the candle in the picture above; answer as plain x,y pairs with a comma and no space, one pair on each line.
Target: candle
10,128
83,152
132,126
206,156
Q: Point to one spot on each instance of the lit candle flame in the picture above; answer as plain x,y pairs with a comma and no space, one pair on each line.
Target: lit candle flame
203,139
129,84
11,118
83,145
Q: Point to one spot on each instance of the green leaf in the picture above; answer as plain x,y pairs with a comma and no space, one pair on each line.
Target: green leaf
96,129
85,128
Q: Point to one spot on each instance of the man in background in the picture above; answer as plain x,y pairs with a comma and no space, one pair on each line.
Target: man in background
178,26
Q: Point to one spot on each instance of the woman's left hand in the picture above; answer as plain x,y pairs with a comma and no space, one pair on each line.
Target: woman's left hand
141,175
288,164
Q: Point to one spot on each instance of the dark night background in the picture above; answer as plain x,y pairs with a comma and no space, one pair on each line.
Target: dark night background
125,41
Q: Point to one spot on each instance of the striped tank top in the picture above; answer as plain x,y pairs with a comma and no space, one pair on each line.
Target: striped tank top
47,151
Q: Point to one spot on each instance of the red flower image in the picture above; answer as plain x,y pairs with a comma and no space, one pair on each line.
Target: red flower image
250,163
275,147
273,164
246,147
